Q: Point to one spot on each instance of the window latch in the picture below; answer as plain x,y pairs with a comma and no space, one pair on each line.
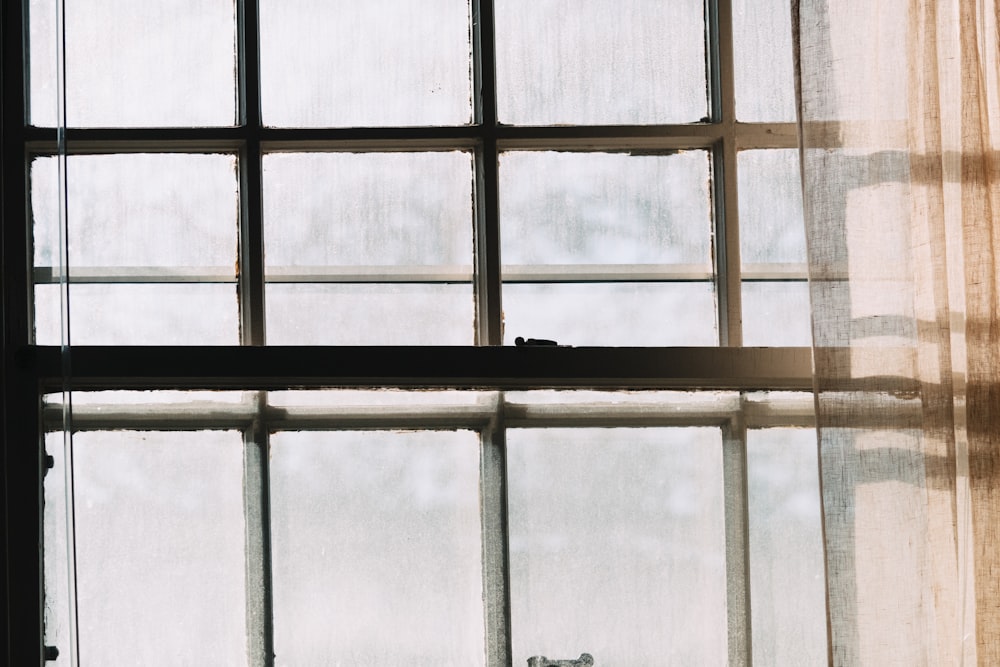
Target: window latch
585,660
533,342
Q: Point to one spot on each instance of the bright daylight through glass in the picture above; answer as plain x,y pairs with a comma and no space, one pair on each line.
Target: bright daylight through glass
309,173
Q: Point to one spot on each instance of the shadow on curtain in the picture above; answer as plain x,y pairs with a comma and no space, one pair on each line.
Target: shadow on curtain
898,104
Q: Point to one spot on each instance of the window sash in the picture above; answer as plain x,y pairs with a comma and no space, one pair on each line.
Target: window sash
31,371
733,413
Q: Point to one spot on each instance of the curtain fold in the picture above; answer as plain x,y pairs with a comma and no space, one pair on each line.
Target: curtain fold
898,111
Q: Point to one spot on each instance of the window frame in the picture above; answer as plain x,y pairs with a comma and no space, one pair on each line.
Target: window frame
30,370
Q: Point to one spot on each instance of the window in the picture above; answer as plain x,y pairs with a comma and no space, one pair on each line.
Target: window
294,243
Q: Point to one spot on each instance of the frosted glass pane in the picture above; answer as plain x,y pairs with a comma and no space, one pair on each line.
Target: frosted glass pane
377,549
762,45
378,62
172,396
55,572
600,62
612,313
140,314
160,539
339,209
387,398
771,223
776,313
149,63
605,208
163,210
617,545
786,548
369,314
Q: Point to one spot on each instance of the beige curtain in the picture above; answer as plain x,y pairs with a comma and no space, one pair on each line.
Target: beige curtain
900,128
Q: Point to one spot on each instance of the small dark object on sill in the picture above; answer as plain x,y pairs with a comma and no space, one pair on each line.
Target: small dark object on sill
532,342
585,660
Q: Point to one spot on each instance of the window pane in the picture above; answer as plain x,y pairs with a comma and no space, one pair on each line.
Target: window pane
372,314
358,209
150,63
612,313
590,215
385,398
600,62
56,573
787,579
762,45
773,249
377,548
140,314
152,244
605,208
160,538
139,210
378,62
770,193
776,313
632,573
369,248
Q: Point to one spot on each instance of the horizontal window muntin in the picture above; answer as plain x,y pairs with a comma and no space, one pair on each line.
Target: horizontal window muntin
635,138
339,409
387,410
513,273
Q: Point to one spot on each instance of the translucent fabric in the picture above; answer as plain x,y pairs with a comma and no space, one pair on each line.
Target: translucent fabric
899,110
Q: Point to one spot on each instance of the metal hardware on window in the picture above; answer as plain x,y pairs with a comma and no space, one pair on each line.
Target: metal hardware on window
585,660
533,342
50,653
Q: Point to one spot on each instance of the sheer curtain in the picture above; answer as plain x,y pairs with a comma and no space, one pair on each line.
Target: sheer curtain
899,133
